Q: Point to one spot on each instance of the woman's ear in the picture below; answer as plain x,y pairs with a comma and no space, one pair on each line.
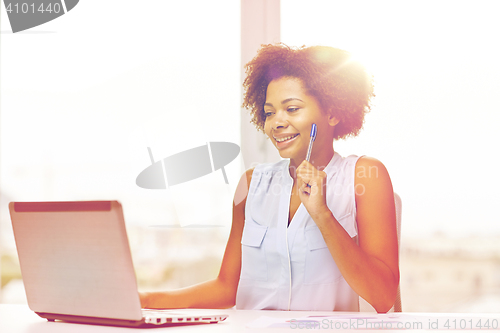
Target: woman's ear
332,121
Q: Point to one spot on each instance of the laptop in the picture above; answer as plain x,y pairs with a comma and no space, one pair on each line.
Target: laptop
77,266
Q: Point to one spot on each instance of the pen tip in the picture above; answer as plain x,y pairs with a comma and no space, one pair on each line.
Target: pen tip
313,131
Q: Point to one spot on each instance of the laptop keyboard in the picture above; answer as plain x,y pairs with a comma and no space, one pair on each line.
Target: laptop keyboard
154,316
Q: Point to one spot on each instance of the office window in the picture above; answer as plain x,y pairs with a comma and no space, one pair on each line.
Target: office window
85,95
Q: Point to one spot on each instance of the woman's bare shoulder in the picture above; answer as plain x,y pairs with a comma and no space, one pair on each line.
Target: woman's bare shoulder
371,172
241,193
368,163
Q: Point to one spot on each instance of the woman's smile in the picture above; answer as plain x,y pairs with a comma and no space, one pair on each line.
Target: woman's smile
290,111
285,140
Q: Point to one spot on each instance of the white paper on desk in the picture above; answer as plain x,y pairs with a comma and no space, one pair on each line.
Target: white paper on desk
339,321
350,321
269,322
309,322
399,321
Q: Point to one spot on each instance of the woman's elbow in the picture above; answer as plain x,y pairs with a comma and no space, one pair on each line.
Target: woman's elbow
384,309
386,301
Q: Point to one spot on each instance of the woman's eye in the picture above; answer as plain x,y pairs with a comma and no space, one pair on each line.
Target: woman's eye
268,114
292,109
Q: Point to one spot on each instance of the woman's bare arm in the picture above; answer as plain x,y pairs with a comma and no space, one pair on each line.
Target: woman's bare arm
377,232
221,291
371,268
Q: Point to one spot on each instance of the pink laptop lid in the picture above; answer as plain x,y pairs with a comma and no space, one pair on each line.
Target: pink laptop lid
75,258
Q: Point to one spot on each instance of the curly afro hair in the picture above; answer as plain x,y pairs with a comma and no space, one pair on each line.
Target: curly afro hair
341,85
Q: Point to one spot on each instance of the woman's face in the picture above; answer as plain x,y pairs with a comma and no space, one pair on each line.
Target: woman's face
290,112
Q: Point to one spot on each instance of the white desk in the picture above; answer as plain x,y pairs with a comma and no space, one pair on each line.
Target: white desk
20,319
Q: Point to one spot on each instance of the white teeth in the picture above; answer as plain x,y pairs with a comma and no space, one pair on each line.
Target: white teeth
287,138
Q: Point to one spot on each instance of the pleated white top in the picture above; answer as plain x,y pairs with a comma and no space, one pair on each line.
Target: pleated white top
291,267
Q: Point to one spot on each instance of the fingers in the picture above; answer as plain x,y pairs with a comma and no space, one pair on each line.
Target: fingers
305,188
304,180
305,171
309,179
312,187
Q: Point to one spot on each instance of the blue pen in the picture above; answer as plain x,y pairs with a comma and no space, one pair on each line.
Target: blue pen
314,131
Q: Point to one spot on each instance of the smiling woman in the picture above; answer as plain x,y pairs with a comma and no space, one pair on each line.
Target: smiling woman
303,237
343,240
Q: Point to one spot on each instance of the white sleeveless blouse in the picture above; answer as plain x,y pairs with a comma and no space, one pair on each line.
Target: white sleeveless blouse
291,268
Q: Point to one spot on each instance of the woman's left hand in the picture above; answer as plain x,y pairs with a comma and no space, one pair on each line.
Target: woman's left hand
311,184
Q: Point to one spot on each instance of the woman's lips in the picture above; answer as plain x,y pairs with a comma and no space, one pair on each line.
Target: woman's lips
285,144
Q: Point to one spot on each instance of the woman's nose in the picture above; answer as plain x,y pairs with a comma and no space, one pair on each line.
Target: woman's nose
279,120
